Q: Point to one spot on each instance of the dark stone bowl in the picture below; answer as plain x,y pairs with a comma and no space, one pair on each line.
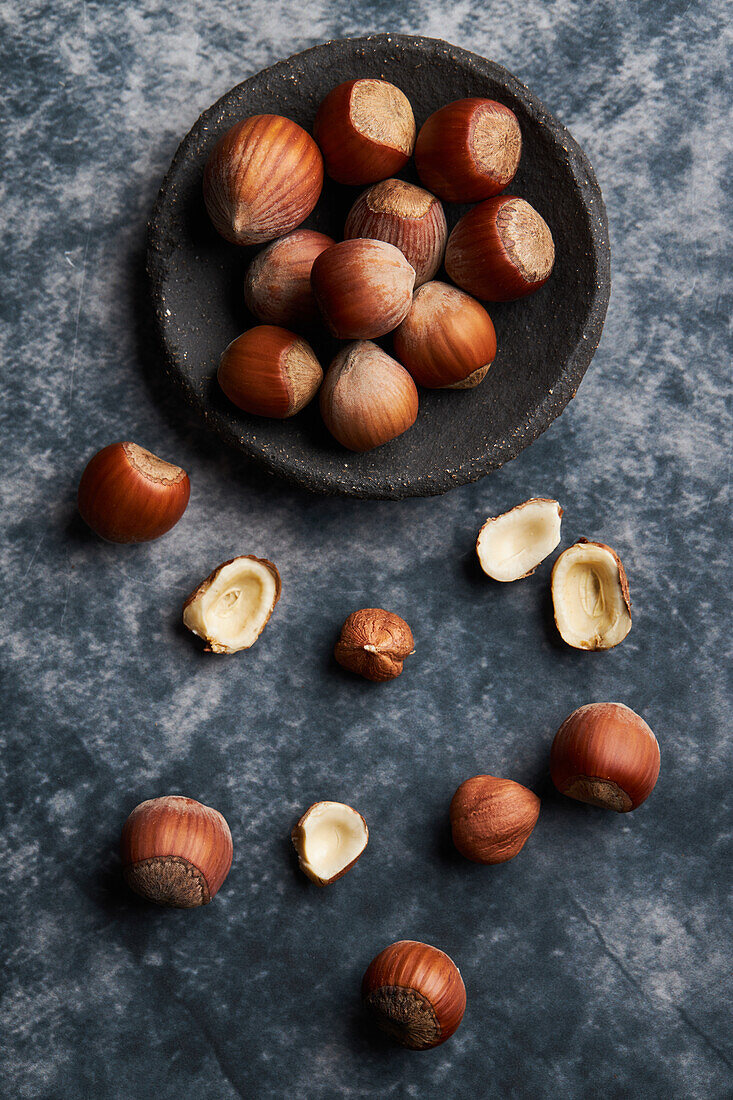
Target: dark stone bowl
546,341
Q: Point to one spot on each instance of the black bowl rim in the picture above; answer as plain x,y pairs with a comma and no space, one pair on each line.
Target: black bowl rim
472,469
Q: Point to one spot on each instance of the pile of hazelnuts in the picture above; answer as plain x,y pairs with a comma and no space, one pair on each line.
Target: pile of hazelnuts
264,178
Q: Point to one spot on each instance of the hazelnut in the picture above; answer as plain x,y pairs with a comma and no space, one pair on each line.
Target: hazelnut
447,339
469,150
277,286
127,494
366,131
363,287
509,547
590,596
500,250
415,993
262,179
374,643
406,216
231,608
175,851
367,398
329,838
606,755
269,371
492,819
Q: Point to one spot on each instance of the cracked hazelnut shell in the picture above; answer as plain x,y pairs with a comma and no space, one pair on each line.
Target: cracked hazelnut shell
605,754
277,286
127,494
374,644
414,992
230,609
363,288
406,216
590,596
176,851
500,250
509,547
269,371
447,340
367,397
365,130
263,178
469,150
492,819
329,838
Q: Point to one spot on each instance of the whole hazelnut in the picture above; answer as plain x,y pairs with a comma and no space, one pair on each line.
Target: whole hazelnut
365,130
269,371
492,819
406,216
469,150
374,643
414,992
262,179
447,339
606,755
500,250
277,286
363,287
367,398
175,851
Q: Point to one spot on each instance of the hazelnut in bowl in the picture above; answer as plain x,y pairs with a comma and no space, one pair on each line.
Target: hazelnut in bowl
420,148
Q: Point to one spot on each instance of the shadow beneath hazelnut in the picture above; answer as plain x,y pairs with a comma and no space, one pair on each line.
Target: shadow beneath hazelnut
548,621
76,530
443,849
473,572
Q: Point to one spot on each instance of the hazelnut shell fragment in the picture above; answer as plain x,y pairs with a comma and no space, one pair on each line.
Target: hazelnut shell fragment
232,606
329,838
510,546
374,644
492,819
590,596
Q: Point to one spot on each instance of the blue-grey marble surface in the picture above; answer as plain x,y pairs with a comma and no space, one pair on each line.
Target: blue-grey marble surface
598,962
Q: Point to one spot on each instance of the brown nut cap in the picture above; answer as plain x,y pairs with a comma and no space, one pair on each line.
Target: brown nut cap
374,643
492,819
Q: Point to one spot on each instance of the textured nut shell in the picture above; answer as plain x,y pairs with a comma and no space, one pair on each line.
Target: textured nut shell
469,150
605,754
374,644
623,589
262,179
212,645
446,338
269,371
365,130
298,837
490,256
277,286
363,288
176,851
406,216
367,398
492,819
414,992
126,494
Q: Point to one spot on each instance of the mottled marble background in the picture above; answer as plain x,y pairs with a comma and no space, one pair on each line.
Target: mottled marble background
597,963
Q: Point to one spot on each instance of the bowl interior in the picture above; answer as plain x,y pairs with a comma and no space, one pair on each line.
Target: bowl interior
545,341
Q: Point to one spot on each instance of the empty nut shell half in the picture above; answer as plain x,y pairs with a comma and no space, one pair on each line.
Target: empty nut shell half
231,608
590,596
374,644
329,838
509,547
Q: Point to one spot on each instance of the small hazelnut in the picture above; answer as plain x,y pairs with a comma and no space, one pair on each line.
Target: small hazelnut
175,851
606,755
509,547
446,339
367,397
232,607
492,819
365,130
469,150
127,494
590,596
374,643
329,838
269,371
415,993
500,250
406,216
277,286
363,287
262,179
